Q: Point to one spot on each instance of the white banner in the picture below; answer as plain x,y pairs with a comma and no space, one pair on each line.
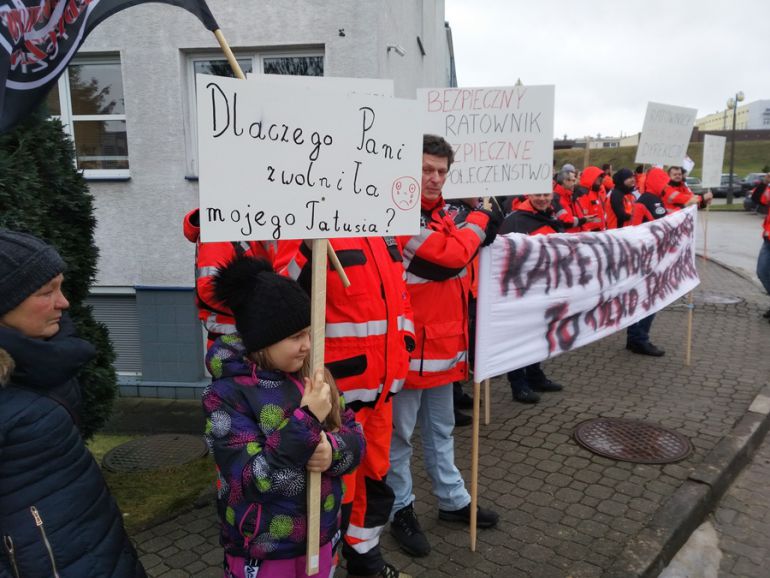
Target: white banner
502,138
713,158
665,134
278,161
543,295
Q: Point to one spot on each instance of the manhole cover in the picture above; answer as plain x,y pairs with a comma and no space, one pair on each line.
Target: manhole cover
155,452
713,298
632,441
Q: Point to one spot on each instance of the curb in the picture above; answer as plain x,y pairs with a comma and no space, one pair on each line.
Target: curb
652,549
735,271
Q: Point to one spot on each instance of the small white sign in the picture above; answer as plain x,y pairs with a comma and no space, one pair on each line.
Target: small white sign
502,138
713,158
281,162
665,134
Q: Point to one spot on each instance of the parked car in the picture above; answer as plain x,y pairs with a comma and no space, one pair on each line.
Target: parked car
694,184
748,202
750,181
724,185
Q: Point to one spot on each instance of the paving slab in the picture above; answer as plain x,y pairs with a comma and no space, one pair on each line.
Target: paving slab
566,512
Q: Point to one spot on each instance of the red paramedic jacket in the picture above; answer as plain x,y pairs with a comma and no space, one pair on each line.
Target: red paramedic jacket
436,263
215,315
369,325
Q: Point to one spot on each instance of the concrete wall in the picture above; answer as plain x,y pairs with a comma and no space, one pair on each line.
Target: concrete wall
139,221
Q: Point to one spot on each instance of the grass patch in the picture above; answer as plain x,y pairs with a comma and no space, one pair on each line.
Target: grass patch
750,157
148,497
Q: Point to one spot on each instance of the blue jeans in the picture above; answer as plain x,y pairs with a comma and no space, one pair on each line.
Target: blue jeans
639,332
763,265
433,409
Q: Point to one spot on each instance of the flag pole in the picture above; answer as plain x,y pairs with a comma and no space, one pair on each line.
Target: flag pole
487,396
688,348
239,74
706,231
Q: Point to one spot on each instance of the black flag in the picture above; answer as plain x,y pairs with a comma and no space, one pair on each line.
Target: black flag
38,38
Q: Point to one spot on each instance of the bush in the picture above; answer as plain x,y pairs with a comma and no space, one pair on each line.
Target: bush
42,193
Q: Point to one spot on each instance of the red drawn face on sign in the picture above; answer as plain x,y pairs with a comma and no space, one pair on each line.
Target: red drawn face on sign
405,193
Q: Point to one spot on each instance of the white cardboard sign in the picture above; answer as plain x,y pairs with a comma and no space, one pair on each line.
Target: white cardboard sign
713,158
282,162
374,86
665,134
502,138
544,295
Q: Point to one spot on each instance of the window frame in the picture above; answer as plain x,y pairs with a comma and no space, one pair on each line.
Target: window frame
68,119
189,107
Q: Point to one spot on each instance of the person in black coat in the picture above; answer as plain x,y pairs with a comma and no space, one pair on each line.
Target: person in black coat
57,517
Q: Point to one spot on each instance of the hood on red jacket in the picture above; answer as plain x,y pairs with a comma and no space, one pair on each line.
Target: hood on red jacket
589,176
657,180
191,226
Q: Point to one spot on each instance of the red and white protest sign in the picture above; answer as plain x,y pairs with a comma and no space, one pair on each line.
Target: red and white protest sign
547,294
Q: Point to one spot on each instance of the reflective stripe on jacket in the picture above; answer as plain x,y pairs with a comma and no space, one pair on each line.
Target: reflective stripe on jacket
366,323
209,257
436,263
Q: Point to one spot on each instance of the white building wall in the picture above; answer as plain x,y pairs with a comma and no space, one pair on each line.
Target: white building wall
139,221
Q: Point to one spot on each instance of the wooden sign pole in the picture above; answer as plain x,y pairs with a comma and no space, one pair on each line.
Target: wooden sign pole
475,463
688,348
318,324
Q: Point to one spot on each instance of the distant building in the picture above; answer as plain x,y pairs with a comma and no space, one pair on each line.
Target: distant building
607,142
752,116
128,101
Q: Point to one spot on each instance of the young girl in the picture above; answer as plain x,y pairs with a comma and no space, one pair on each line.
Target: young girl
268,423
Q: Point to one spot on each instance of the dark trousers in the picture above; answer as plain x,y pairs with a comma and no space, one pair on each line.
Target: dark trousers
639,332
525,377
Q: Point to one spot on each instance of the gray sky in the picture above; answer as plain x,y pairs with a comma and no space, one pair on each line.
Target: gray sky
608,58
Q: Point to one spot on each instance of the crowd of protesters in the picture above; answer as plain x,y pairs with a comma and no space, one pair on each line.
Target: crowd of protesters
398,346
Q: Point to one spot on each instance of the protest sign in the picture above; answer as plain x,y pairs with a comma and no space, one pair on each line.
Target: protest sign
665,134
713,158
374,86
502,138
543,295
280,162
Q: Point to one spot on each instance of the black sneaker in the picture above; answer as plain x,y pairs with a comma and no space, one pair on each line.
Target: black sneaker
462,419
484,518
388,571
525,395
547,385
645,349
406,530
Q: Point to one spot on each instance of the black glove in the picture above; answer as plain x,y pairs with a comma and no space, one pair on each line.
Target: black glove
495,220
409,343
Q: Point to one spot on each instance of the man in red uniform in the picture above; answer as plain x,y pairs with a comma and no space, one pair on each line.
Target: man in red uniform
214,315
620,202
436,263
761,196
535,216
369,334
648,207
678,195
591,198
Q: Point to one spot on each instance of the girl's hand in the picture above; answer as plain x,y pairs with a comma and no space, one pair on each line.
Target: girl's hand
321,460
317,396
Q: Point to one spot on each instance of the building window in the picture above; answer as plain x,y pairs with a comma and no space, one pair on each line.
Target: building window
88,99
299,64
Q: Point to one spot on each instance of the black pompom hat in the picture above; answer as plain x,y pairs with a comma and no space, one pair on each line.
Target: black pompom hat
267,307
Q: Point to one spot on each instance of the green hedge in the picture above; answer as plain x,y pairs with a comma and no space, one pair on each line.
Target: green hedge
42,193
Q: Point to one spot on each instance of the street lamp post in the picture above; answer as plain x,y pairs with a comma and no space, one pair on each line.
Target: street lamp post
732,103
